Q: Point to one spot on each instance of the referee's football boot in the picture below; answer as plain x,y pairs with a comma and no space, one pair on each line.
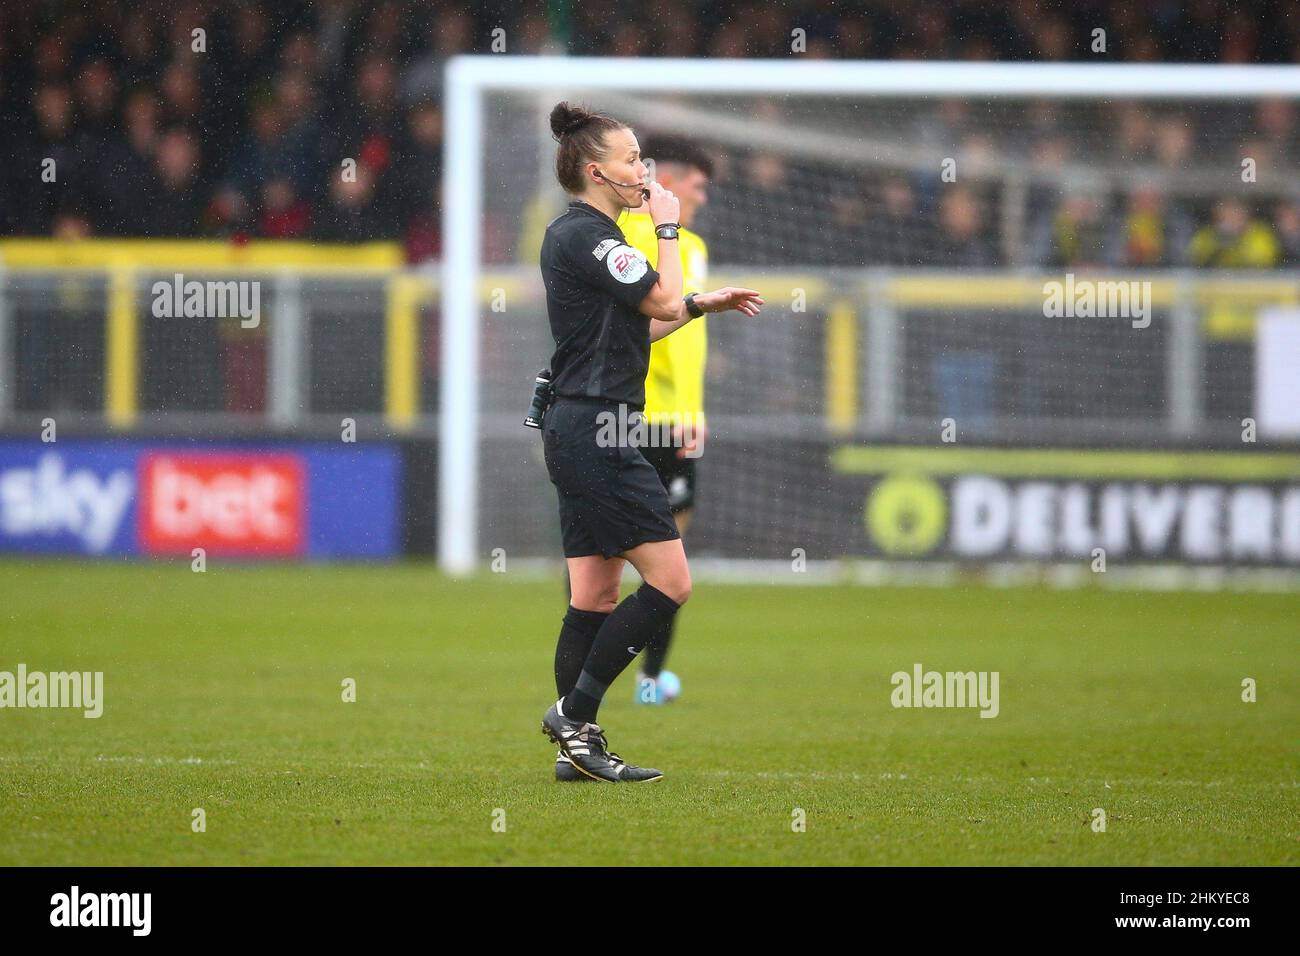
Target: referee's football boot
582,742
565,772
584,745
628,772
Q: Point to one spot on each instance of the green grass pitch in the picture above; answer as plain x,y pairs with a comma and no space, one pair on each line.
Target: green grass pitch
223,691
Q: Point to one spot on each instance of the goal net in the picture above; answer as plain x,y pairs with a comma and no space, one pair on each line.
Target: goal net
951,254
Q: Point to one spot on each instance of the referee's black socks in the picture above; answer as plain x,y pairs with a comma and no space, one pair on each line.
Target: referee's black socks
571,650
656,650
618,642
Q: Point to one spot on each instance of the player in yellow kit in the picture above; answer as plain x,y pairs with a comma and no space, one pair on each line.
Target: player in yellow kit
674,386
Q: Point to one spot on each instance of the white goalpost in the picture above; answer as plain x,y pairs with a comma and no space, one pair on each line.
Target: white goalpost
481,169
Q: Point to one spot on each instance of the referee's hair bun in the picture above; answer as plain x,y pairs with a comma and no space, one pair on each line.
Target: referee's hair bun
567,119
581,134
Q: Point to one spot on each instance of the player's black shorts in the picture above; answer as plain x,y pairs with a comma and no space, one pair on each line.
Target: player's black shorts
677,475
611,498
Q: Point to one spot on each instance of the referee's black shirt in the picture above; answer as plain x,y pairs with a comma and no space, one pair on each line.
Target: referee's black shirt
594,283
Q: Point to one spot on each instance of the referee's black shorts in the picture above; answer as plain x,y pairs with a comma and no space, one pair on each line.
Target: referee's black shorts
611,498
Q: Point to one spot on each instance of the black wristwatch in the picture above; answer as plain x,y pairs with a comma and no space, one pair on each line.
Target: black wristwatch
667,230
693,310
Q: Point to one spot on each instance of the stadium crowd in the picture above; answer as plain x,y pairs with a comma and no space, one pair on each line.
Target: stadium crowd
244,139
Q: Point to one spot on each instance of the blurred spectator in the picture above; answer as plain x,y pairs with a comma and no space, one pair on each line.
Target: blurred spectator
242,33
173,201
182,98
128,163
963,380
845,239
418,181
264,155
1143,48
931,38
381,33
1135,133
534,36
630,40
299,158
1173,142
1240,38
302,57
1275,122
1153,232
1074,234
732,43
1047,158
96,102
368,136
349,213
137,64
1054,39
71,224
1235,240
1286,219
1042,121
892,224
448,32
50,171
939,130
50,59
961,242
285,214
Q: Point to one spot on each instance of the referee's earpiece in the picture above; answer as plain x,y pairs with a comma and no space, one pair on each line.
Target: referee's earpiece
645,193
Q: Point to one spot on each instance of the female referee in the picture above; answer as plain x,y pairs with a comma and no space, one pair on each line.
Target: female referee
606,305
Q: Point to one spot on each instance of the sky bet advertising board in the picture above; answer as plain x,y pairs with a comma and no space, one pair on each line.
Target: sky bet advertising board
155,499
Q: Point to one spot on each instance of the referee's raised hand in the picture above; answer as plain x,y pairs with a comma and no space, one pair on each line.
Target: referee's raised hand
746,301
664,206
